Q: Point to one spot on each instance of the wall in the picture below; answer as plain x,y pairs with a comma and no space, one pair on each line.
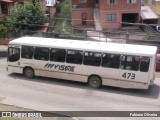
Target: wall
119,8
77,18
120,5
89,4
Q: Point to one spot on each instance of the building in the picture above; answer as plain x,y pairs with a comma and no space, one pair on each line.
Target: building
109,13
6,6
153,9
47,5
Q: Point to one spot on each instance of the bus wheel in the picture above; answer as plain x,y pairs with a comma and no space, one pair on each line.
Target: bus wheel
95,81
28,72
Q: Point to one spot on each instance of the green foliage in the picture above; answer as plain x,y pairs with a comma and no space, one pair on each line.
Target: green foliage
147,37
3,31
64,12
9,23
64,7
29,13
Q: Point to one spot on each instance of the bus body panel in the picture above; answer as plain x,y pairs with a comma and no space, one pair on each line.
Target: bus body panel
14,69
134,76
55,69
152,70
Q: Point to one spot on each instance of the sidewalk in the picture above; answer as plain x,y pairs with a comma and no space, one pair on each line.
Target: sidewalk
5,107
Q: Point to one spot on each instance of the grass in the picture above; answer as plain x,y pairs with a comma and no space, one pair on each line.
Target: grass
58,25
147,37
65,12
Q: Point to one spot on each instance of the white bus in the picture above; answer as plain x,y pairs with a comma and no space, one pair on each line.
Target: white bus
96,63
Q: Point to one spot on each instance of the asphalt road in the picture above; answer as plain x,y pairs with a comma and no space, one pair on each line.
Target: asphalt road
48,94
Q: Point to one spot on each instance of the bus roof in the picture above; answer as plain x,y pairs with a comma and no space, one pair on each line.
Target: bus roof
86,45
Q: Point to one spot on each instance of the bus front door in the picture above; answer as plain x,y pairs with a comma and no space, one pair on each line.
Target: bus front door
14,59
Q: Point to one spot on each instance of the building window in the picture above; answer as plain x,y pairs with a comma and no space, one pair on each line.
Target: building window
111,2
131,1
111,17
82,1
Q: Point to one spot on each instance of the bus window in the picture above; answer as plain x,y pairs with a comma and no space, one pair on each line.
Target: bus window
13,54
41,53
130,62
57,55
144,66
111,60
74,56
92,58
27,52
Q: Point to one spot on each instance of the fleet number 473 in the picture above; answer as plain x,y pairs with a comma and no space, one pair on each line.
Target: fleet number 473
129,75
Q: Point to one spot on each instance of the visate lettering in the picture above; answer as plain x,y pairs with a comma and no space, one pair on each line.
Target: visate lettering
60,67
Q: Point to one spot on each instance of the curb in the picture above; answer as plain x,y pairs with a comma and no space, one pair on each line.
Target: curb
3,53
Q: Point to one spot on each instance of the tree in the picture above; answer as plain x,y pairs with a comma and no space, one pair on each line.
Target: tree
29,15
3,31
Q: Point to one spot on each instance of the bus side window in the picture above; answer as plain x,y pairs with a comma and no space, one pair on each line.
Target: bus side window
57,55
144,66
130,62
74,56
41,53
92,58
111,60
27,52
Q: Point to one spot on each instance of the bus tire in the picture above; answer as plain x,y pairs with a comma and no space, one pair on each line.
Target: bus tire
28,72
95,81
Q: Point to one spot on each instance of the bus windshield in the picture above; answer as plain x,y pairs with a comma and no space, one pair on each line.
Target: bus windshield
13,54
